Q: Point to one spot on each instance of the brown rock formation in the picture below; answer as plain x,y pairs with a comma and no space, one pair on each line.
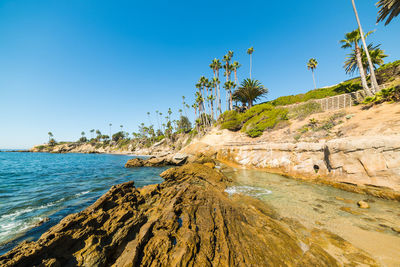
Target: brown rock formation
188,220
168,160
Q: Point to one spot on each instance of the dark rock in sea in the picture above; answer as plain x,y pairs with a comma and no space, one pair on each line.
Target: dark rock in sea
188,220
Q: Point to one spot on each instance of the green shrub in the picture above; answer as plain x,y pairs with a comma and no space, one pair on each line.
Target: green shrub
230,120
255,126
385,95
40,148
387,66
123,143
304,110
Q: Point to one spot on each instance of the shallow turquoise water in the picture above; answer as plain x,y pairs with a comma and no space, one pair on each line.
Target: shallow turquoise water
37,186
320,206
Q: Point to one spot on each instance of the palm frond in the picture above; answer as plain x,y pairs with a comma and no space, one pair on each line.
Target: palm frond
388,9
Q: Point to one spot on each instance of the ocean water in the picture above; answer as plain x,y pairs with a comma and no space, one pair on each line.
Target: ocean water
37,190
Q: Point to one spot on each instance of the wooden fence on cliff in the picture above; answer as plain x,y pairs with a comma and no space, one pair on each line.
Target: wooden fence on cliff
335,102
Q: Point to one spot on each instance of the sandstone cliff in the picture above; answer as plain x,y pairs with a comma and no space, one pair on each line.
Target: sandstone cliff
186,220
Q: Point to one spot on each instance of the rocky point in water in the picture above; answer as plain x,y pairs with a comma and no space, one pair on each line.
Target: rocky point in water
188,220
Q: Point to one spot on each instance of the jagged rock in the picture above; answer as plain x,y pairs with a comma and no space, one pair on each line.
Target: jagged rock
188,220
179,158
362,204
167,160
135,162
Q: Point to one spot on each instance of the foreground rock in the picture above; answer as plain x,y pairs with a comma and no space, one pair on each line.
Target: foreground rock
188,220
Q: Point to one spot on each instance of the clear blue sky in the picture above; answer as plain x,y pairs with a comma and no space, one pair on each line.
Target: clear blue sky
73,65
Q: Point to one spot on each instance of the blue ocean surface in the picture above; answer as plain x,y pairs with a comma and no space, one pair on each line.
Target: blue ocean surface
37,187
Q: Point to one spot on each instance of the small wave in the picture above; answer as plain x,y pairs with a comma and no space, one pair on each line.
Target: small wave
82,193
248,190
15,228
16,213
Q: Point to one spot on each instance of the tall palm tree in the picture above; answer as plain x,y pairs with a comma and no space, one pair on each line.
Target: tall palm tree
352,40
377,56
374,83
388,9
250,52
148,115
158,119
228,70
91,133
110,130
312,65
235,66
229,85
121,126
211,99
216,66
184,105
250,91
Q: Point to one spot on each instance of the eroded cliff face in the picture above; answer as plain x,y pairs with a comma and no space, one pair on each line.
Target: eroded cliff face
367,164
188,220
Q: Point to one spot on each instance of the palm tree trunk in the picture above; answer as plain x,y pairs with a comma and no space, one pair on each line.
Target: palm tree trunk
219,95
230,100
250,66
212,109
313,77
362,72
374,83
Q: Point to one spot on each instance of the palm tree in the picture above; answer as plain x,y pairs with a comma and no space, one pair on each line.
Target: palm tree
235,66
148,114
312,65
158,119
91,132
216,66
121,126
374,83
250,91
110,129
377,56
184,105
388,9
50,135
229,85
211,98
352,40
250,52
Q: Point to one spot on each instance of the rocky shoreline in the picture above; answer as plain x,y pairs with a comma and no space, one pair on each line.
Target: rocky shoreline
186,220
